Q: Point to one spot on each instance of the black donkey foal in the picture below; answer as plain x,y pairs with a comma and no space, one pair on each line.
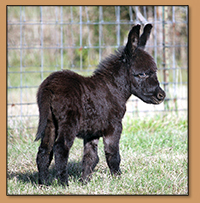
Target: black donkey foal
71,105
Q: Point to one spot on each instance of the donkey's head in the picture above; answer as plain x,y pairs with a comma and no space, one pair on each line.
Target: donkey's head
142,68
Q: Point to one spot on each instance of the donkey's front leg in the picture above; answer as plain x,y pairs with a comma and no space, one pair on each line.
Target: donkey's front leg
111,148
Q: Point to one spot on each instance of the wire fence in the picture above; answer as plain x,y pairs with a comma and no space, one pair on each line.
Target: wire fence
44,39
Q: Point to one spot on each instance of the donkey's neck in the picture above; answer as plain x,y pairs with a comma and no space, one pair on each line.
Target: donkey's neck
114,74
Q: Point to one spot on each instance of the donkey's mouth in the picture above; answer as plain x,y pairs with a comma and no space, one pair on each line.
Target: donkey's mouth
156,100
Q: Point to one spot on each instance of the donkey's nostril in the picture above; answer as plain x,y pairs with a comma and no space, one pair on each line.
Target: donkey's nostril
160,96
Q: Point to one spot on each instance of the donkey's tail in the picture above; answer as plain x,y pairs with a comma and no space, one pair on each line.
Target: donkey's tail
44,102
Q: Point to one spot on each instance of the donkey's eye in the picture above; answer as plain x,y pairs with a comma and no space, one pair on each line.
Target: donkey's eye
142,75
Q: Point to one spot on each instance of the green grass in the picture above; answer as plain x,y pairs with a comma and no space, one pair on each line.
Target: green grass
153,161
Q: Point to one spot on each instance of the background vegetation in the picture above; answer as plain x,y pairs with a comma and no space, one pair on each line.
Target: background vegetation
154,161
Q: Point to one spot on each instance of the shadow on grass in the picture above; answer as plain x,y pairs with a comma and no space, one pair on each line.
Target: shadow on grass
74,173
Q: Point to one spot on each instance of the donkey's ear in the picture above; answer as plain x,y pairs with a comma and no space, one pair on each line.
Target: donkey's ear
133,38
145,35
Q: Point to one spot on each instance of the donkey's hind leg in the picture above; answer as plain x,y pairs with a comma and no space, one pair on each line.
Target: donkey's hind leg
61,149
90,159
45,151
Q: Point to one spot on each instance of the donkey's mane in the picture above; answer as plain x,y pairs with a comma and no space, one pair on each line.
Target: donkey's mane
110,64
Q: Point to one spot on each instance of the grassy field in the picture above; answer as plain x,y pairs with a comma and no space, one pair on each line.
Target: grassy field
153,161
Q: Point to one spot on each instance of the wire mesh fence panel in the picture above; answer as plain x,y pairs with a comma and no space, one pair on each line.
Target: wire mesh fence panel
44,39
